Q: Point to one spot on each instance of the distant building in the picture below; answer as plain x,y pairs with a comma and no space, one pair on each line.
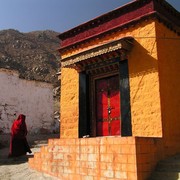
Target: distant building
32,98
120,88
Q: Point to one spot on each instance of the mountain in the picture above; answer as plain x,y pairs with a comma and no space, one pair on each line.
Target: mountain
33,54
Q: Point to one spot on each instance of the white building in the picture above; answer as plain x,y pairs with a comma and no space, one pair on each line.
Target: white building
31,98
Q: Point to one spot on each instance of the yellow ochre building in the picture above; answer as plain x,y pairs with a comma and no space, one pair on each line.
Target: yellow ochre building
120,103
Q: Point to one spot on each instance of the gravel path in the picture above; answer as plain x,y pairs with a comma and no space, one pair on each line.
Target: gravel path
17,169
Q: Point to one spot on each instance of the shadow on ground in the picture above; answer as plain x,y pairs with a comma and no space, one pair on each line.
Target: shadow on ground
13,161
35,142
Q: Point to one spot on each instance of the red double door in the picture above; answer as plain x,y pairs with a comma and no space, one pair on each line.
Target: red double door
108,114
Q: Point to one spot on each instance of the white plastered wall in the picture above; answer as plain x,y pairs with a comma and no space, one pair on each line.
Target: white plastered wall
32,98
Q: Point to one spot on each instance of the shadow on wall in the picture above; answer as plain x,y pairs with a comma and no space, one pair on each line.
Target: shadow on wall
144,89
141,61
142,66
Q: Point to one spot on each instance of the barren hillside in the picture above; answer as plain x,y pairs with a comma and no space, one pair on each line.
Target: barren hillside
33,54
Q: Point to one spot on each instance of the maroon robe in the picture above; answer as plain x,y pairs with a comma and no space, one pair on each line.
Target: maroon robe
18,142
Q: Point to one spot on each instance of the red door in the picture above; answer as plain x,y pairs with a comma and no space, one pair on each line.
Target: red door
108,106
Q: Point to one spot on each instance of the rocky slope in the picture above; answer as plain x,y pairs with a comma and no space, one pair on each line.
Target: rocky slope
33,54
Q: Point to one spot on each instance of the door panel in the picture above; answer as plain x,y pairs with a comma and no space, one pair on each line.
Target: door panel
102,128
102,104
107,106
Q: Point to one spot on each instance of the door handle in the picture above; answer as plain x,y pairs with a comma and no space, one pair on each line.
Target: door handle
109,109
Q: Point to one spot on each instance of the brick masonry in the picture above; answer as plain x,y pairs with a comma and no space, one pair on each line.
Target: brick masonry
98,158
154,100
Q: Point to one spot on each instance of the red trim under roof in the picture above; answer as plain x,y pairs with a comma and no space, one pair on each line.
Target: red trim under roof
127,14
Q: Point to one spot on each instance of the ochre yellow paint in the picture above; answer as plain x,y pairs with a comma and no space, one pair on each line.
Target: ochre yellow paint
69,103
152,67
168,45
144,82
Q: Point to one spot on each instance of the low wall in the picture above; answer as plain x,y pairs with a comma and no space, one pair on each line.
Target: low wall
103,157
32,98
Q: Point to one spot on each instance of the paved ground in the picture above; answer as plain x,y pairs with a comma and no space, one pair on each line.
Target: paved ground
17,169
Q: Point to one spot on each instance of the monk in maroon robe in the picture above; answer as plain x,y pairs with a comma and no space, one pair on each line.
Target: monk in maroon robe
18,142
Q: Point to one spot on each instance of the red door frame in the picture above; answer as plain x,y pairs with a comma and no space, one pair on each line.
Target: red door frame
93,102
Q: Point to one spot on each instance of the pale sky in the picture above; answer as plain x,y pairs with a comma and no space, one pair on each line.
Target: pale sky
57,15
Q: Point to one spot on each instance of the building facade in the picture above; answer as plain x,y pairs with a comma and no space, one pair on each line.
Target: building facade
32,98
119,90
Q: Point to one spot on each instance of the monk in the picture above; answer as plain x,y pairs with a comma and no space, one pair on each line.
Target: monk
18,142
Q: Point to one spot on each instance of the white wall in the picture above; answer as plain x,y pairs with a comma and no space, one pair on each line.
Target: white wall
32,98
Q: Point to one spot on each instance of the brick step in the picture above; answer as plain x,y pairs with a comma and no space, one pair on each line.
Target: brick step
40,143
80,158
171,164
175,158
165,176
170,167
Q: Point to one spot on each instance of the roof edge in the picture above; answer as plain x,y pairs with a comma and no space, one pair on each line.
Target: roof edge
161,6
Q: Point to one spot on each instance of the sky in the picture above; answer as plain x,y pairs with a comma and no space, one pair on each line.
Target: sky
56,15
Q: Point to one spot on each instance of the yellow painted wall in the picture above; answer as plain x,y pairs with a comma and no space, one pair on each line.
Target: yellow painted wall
168,44
144,81
69,103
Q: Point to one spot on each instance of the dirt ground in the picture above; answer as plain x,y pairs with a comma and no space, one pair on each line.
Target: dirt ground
17,168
